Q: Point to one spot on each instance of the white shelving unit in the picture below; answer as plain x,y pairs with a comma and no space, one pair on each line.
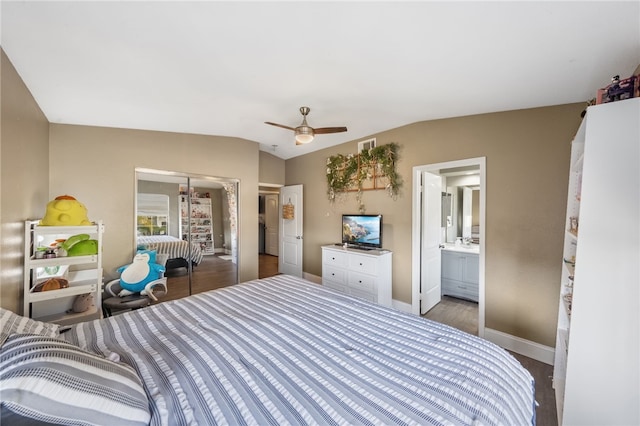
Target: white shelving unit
199,217
572,221
596,372
84,274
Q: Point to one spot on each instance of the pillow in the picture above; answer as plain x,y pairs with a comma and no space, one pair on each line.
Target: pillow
49,380
15,324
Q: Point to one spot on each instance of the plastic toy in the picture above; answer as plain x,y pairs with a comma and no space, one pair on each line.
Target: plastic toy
84,248
65,210
139,276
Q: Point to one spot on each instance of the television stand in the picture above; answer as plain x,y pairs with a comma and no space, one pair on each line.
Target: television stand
360,273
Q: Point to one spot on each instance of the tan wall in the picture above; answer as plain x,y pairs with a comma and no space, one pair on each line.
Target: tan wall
97,166
527,157
271,169
24,170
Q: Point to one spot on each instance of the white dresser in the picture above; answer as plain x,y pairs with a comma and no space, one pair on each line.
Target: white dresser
361,273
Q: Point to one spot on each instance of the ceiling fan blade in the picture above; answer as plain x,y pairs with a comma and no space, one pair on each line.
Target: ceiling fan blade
325,130
279,125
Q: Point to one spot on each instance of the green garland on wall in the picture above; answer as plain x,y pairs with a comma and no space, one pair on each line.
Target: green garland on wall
348,172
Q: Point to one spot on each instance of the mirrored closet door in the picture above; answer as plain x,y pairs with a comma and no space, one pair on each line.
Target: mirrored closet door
192,223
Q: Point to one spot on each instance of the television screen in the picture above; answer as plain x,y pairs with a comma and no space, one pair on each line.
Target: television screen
362,230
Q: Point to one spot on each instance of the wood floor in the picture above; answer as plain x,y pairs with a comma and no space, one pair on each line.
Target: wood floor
213,272
267,265
463,315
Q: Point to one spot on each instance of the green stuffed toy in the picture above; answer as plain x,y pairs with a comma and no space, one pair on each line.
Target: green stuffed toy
84,248
78,245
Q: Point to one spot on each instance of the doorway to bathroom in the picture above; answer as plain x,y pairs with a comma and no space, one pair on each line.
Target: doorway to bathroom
440,222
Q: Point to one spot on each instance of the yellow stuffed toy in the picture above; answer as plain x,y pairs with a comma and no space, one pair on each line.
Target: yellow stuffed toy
65,210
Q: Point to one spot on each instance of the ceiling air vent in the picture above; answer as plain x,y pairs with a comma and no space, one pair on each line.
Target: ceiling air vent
366,145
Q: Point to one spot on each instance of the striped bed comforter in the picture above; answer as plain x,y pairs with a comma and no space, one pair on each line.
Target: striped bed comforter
283,350
174,247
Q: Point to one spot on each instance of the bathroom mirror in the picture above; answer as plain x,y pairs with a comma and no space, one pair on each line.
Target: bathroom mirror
462,199
191,222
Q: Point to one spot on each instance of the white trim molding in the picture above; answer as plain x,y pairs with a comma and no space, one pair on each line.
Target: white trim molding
401,306
313,278
521,346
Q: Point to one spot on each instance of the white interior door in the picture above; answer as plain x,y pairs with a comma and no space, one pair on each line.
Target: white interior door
430,253
271,224
290,258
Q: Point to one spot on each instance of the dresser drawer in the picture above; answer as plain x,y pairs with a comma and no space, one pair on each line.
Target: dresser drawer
335,258
362,282
336,275
364,264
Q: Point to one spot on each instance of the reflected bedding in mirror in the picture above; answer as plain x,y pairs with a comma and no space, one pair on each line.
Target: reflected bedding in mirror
172,246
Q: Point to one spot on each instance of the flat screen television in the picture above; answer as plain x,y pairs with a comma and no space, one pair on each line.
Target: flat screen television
362,230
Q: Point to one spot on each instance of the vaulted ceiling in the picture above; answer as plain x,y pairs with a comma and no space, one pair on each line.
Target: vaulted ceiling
224,68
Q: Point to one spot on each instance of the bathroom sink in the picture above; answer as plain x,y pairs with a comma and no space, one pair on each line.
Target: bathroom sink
475,248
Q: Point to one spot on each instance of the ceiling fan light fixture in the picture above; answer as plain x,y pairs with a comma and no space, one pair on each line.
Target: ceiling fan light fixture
304,134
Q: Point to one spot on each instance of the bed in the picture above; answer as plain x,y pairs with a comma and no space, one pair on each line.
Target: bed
174,247
283,350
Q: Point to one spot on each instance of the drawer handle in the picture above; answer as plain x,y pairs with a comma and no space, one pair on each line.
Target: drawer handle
333,258
333,274
360,263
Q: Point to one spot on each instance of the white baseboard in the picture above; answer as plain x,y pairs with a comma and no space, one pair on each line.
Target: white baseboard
401,306
521,346
313,278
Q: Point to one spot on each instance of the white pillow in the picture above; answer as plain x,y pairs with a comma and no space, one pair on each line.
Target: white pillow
16,324
52,381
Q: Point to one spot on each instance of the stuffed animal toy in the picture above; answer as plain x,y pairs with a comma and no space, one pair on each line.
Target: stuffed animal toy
82,303
78,245
65,210
84,248
135,276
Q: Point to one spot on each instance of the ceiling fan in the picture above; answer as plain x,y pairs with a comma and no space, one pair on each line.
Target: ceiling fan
304,132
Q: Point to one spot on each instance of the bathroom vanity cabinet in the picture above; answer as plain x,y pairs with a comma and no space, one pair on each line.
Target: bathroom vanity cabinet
460,274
